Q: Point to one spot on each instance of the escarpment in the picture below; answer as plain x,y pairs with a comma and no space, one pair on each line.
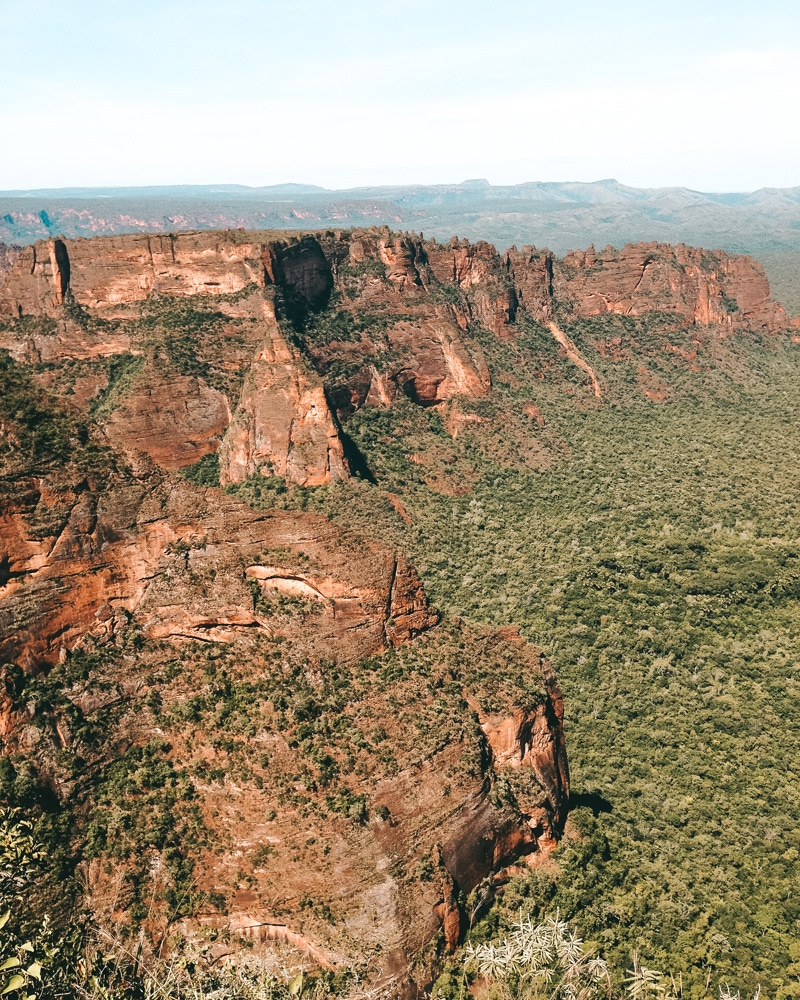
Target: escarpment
260,347
337,744
702,287
259,701
334,765
283,425
108,275
79,562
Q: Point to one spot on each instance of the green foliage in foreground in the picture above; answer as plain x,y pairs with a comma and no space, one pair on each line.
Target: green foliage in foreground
549,961
35,964
657,562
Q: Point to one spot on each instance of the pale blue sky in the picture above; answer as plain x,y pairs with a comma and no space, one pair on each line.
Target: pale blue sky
344,93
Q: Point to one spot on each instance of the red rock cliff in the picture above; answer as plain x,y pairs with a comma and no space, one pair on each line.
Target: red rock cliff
303,331
427,804
76,561
191,569
108,273
705,288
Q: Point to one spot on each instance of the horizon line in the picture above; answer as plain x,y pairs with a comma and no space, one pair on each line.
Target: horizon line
301,188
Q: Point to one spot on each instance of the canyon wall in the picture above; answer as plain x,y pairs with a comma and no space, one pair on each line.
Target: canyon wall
703,287
78,561
321,325
144,577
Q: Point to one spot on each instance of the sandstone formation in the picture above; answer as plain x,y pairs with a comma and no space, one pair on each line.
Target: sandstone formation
701,287
531,271
130,270
86,566
478,270
147,419
311,328
108,274
354,770
283,425
74,562
704,288
417,346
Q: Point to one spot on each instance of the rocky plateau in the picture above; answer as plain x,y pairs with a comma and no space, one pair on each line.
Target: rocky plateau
375,773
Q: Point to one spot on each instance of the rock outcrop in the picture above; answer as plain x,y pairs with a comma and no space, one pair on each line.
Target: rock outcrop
535,739
422,812
354,773
702,287
174,419
478,270
108,274
282,425
310,328
353,762
8,254
129,270
531,271
75,561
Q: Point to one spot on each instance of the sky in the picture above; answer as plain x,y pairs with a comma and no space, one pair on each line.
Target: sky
344,93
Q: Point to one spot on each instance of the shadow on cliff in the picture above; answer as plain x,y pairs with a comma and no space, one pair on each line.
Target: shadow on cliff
355,460
590,800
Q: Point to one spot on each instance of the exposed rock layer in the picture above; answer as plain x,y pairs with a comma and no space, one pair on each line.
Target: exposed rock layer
283,425
703,287
300,335
317,326
105,274
174,419
85,563
75,561
8,254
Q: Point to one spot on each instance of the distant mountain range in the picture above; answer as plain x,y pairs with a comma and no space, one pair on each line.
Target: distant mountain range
558,215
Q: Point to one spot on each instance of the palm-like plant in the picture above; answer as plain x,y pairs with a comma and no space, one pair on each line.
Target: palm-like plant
643,984
546,960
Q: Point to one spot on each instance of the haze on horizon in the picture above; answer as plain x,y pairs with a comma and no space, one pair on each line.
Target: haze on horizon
351,94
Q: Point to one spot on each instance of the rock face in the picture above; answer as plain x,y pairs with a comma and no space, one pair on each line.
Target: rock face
150,414
478,270
76,562
108,274
286,667
423,817
282,426
8,254
311,328
416,346
531,270
535,739
701,287
130,269
704,288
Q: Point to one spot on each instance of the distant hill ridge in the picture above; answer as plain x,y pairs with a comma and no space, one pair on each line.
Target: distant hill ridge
582,192
560,215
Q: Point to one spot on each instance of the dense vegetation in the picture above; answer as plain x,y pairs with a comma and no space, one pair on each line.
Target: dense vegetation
657,561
